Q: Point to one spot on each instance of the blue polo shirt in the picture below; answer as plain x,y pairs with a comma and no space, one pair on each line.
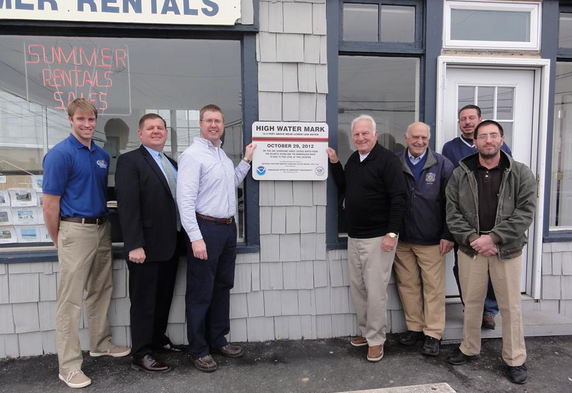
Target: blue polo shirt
79,176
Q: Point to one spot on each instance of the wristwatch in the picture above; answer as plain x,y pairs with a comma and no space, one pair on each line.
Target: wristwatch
392,235
246,160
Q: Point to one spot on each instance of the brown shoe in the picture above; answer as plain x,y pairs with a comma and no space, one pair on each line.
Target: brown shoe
375,353
150,365
358,341
488,322
206,364
230,351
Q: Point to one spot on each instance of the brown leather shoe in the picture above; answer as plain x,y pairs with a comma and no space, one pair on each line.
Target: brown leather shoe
375,353
206,364
150,365
358,341
488,322
231,351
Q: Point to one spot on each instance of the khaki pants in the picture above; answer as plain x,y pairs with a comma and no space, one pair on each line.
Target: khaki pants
369,270
505,276
420,274
85,259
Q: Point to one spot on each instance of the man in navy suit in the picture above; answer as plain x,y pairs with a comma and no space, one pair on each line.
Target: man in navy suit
145,185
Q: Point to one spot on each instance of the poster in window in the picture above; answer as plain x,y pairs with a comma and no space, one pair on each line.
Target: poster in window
4,198
37,183
6,216
40,216
45,235
8,235
25,216
28,234
23,197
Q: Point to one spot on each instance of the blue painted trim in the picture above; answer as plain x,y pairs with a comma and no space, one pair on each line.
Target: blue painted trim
550,35
433,23
250,115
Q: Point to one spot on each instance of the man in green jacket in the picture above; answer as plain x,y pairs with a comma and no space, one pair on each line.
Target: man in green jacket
491,200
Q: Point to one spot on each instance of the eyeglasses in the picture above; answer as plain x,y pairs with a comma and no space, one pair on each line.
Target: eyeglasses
483,137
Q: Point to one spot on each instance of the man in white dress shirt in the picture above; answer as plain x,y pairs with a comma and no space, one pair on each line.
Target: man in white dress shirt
207,203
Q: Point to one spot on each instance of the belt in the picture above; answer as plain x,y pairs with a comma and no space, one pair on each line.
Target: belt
81,220
219,221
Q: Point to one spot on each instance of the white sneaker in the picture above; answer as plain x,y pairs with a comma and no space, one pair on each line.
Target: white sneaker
76,380
114,351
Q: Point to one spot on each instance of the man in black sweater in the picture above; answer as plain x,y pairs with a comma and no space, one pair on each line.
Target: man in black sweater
375,195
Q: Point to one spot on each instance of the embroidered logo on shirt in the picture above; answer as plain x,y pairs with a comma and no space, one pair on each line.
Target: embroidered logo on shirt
430,177
261,170
102,163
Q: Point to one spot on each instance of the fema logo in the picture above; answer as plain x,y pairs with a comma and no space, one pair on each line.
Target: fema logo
261,170
102,164
319,171
430,177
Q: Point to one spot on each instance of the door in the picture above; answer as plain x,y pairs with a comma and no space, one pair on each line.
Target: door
506,96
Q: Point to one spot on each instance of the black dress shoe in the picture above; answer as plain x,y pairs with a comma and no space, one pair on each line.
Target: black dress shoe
517,374
150,365
459,358
431,346
172,348
230,351
410,337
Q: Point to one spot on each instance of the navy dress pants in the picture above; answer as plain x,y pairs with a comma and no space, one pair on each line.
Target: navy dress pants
208,288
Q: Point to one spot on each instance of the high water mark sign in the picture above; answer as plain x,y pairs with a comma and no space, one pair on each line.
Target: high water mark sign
290,151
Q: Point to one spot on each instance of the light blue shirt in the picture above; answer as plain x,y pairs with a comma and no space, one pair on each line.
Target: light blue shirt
207,184
155,155
416,160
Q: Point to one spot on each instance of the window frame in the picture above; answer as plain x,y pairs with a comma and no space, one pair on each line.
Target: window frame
427,78
535,26
555,54
245,34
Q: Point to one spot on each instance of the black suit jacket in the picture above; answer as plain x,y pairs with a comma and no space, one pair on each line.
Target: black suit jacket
146,208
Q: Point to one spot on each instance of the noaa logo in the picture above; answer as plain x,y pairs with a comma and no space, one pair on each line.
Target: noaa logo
102,164
261,170
430,177
319,171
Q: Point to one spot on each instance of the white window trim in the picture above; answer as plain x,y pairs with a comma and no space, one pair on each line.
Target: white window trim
485,5
542,68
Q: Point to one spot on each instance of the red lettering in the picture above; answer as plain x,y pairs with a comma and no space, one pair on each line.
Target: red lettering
58,98
60,55
103,100
35,56
120,56
46,77
88,61
107,76
105,57
57,75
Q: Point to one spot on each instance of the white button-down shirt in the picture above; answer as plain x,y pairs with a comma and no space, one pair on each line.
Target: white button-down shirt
207,184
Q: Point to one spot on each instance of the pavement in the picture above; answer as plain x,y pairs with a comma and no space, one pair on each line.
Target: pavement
329,366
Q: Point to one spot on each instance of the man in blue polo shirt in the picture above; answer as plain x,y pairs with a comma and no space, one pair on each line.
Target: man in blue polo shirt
75,212
455,150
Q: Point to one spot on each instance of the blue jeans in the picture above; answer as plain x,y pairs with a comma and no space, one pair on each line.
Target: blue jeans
491,305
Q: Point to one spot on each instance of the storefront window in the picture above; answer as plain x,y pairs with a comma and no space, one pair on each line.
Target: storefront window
386,88
378,23
561,184
124,78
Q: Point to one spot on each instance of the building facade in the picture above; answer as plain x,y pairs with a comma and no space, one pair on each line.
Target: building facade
280,61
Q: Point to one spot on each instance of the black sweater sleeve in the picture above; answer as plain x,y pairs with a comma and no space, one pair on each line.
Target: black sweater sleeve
393,177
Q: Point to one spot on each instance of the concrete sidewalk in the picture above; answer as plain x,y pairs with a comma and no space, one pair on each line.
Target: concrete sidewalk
309,366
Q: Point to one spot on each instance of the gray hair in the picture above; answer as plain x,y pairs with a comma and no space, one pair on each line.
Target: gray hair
415,123
363,117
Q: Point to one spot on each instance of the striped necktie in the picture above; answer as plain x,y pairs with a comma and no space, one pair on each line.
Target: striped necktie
172,184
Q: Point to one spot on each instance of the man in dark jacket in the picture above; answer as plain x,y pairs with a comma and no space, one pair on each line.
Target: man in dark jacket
145,184
375,197
424,241
491,200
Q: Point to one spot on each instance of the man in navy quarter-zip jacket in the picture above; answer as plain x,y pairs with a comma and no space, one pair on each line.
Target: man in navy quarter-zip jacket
375,198
424,241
